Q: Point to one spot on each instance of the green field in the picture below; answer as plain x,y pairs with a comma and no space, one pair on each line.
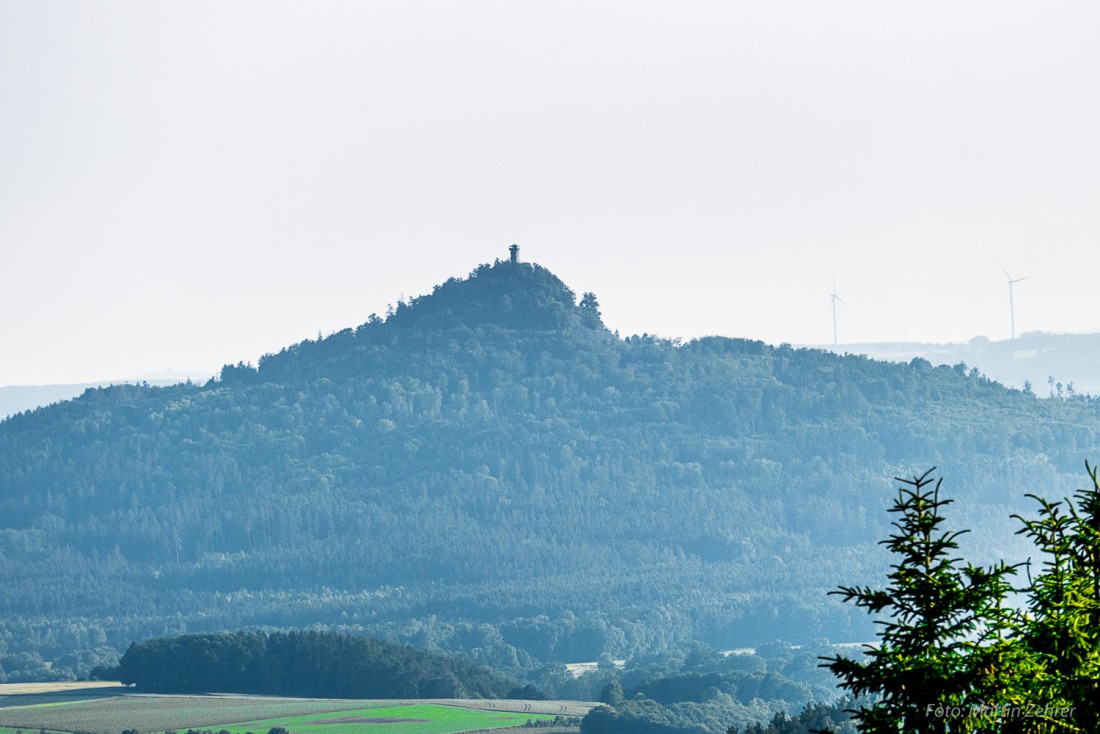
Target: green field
160,713
411,719
241,714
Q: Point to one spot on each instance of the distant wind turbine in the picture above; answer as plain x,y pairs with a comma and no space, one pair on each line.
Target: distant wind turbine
1011,306
835,298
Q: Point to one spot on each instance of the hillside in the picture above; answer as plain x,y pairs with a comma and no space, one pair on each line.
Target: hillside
489,469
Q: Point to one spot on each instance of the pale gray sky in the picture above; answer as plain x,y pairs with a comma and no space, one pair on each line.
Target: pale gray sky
194,183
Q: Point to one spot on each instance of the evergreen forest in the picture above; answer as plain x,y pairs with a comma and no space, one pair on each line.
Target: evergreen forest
302,664
487,469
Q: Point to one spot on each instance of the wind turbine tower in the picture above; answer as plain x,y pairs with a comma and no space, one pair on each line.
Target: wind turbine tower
1011,306
835,298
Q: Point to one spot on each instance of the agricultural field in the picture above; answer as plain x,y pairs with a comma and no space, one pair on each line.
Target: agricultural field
240,714
28,694
409,719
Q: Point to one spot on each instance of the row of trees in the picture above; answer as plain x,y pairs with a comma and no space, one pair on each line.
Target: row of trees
954,655
313,664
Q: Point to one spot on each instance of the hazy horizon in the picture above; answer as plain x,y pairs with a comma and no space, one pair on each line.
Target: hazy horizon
189,185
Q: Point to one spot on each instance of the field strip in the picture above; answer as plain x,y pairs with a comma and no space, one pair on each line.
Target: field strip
520,706
152,713
158,713
46,704
418,718
40,697
69,686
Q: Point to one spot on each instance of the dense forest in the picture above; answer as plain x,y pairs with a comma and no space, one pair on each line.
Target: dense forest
649,717
489,470
701,691
309,664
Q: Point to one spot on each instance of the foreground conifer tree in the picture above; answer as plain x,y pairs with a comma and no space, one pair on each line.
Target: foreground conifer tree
952,656
1060,633
943,639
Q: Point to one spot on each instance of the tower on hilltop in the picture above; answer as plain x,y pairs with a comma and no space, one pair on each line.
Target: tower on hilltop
514,252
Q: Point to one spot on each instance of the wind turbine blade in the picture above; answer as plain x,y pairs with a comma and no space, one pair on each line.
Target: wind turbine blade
1006,273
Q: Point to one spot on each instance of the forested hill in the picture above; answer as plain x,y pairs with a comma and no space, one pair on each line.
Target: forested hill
490,469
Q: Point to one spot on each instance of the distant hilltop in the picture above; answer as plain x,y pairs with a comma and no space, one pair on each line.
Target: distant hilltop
17,398
1053,364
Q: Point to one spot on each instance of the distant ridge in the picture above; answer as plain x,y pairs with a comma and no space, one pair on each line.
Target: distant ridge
17,398
1033,357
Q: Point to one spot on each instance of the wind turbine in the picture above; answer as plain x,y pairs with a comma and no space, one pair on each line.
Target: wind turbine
834,297
1011,306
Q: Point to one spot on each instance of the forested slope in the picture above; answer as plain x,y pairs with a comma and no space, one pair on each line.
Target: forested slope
490,469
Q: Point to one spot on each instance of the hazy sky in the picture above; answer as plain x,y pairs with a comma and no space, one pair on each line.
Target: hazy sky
193,183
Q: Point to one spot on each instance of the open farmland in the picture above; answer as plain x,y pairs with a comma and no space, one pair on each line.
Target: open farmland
409,719
159,713
239,714
30,694
68,686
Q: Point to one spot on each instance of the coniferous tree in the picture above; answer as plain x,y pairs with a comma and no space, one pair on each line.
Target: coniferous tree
590,310
1061,630
943,647
952,658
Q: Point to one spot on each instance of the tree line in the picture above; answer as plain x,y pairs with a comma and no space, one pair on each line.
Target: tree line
304,663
